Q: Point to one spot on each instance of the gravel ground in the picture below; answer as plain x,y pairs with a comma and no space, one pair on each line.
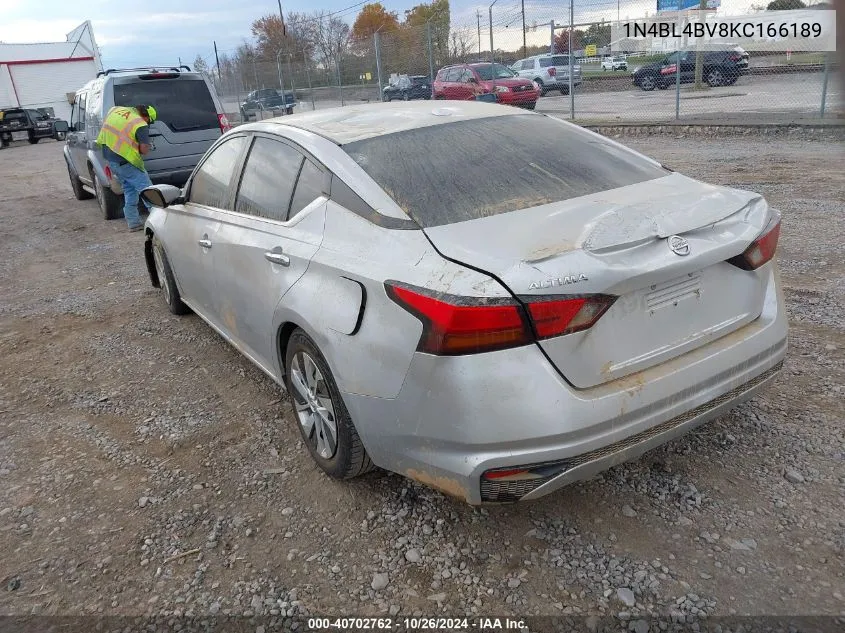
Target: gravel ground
147,468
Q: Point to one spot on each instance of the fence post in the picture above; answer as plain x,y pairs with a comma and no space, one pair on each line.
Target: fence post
571,55
281,83
824,82
678,72
307,59
376,42
339,80
430,53
552,40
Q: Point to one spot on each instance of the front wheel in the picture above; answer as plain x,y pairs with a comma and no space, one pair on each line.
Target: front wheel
33,139
714,78
648,83
79,192
324,422
166,280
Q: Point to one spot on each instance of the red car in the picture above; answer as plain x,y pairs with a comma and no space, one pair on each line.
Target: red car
466,81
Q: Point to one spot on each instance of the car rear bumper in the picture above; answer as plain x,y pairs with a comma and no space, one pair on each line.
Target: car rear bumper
457,417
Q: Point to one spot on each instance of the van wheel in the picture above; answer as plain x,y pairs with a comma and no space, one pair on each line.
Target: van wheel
32,139
79,192
324,423
110,203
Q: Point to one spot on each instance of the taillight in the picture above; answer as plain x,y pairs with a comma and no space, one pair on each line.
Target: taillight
762,249
668,70
461,325
223,121
107,170
554,316
455,325
552,71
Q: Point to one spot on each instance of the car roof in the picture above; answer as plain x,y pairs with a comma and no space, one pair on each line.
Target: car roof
354,123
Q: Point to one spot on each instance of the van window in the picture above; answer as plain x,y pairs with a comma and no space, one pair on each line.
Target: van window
183,105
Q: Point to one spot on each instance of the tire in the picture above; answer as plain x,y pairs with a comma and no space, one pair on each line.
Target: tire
714,78
543,89
166,280
648,83
405,96
564,90
389,99
346,457
531,106
110,203
33,140
662,85
79,192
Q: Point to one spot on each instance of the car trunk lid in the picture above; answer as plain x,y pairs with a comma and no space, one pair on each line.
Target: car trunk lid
616,243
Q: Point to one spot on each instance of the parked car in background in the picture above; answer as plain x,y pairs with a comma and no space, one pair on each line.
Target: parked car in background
493,302
190,119
550,72
617,62
408,87
467,81
720,68
267,99
28,124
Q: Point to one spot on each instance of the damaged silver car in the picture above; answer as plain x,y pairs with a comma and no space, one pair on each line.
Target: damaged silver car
490,301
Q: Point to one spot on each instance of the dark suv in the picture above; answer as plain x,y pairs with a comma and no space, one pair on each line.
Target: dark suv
267,99
26,124
721,68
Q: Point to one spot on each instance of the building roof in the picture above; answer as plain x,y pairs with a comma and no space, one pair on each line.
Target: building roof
80,44
355,123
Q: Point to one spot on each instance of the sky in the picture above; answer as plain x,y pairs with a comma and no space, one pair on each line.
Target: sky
160,32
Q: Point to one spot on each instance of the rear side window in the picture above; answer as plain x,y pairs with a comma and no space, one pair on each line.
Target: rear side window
183,105
210,185
482,167
545,62
309,187
268,179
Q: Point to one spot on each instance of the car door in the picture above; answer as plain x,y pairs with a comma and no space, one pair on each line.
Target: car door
266,245
191,228
453,83
687,67
77,138
467,85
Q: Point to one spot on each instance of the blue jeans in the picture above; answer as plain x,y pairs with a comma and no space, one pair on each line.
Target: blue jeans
133,181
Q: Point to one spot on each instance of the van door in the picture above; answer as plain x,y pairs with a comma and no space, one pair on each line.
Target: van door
187,123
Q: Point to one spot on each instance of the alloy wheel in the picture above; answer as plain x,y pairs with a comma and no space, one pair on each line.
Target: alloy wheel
162,276
313,404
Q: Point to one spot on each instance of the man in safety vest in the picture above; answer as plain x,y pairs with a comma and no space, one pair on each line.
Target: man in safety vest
125,137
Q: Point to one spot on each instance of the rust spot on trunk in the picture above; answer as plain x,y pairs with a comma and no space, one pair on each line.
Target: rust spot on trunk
445,485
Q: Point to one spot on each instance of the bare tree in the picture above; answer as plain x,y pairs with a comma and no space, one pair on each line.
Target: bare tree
462,44
330,36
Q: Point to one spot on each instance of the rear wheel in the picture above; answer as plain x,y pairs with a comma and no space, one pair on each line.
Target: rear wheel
33,139
405,96
564,90
714,77
166,281
79,192
324,422
110,203
542,87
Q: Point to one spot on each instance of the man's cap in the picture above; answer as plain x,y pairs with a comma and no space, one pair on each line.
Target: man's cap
151,111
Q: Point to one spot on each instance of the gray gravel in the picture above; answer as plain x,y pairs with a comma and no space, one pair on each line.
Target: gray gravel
147,468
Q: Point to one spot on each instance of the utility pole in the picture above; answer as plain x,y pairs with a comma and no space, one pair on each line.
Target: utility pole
699,58
217,59
282,18
478,17
492,55
524,48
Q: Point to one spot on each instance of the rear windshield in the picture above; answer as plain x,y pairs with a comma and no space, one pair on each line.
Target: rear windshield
13,115
482,167
183,105
419,80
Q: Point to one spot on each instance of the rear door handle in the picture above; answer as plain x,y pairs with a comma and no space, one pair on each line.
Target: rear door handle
205,243
277,258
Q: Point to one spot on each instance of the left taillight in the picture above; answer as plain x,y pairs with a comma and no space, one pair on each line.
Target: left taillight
223,121
455,325
762,249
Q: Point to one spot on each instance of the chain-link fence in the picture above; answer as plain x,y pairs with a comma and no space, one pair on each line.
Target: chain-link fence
607,78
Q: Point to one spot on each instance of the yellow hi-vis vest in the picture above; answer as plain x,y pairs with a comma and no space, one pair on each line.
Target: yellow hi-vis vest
118,134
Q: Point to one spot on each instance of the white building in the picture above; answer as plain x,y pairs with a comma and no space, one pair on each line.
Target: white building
41,75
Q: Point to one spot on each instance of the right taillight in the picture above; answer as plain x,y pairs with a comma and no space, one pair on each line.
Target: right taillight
223,122
454,325
762,249
552,71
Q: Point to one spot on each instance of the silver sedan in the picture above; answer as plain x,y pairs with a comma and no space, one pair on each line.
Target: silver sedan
490,301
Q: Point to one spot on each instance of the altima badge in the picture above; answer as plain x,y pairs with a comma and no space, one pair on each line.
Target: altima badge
679,245
557,281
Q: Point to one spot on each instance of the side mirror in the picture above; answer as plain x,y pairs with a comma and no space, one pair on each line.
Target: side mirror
161,195
472,80
60,126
